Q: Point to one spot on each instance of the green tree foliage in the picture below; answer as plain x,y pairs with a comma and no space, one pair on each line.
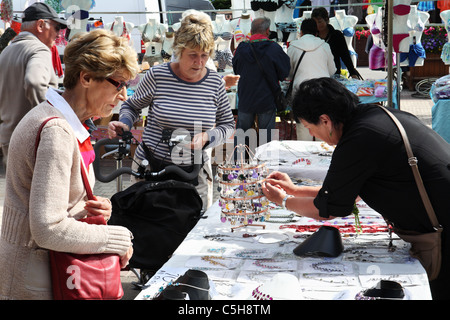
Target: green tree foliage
221,4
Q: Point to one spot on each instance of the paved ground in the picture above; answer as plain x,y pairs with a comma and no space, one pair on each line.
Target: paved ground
421,107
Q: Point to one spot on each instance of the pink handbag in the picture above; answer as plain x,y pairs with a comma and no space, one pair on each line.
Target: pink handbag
84,276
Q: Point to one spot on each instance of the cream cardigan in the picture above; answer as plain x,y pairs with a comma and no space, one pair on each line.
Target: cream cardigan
43,201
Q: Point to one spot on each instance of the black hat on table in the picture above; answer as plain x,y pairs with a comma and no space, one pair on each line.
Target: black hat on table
41,10
325,242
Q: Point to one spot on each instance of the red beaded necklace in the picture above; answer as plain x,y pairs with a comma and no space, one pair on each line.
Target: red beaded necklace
343,229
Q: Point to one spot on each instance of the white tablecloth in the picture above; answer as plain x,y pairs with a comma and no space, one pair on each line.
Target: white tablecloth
248,262
299,159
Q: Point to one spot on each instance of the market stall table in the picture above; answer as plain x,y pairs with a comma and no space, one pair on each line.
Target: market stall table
239,262
371,90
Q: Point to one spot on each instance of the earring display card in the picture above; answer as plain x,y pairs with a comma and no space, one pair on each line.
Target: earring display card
212,262
270,265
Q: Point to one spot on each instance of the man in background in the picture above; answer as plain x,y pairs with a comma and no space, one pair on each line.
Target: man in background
27,68
256,96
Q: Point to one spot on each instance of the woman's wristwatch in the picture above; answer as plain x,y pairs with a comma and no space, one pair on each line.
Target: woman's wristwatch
283,204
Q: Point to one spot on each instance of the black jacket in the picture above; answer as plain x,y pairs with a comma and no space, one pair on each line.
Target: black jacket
339,49
255,95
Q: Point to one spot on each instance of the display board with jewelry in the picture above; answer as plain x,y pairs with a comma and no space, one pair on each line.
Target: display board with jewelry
293,257
241,200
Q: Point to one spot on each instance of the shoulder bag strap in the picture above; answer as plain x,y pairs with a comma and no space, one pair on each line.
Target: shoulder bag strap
83,172
412,160
298,63
87,186
291,85
38,136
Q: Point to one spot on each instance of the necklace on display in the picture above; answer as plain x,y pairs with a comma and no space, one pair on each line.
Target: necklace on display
212,260
327,266
281,218
326,278
266,263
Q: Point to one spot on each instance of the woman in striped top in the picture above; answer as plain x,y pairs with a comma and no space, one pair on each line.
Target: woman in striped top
184,96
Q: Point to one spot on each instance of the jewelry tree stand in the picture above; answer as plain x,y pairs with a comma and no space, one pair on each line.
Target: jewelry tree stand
241,200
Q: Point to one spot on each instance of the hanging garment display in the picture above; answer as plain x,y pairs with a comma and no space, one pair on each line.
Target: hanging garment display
415,26
416,51
443,5
445,54
426,6
6,10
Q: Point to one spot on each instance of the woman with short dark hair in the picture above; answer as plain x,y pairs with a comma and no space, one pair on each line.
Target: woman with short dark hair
370,162
317,59
336,40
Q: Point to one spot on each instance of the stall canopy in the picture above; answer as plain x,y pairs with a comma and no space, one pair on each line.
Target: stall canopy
182,5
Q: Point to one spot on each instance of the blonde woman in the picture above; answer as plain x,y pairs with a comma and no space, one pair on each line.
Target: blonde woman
45,195
186,96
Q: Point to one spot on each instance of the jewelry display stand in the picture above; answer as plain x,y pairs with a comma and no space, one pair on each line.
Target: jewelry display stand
241,200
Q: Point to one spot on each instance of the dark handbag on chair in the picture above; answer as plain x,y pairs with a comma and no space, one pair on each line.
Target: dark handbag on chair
281,100
84,276
426,247
160,214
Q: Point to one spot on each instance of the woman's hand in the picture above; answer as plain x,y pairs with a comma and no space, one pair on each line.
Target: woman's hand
126,257
231,80
199,140
357,76
281,180
276,186
115,128
273,193
99,206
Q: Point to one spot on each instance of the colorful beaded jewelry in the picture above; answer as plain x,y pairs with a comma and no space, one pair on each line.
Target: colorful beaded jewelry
258,295
242,201
265,263
306,161
326,266
360,296
171,284
250,254
212,260
218,250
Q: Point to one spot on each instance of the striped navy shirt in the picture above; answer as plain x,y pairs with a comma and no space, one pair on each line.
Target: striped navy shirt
175,104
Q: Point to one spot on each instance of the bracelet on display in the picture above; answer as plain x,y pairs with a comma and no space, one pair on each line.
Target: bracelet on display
283,204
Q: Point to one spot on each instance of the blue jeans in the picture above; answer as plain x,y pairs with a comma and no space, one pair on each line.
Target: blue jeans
266,128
